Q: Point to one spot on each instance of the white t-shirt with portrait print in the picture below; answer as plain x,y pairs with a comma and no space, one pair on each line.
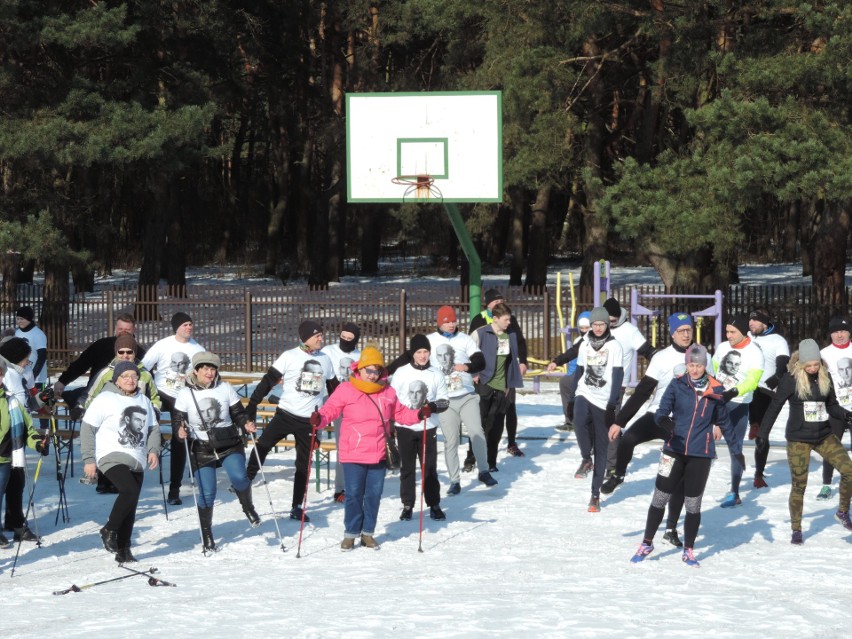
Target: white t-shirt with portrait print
341,360
170,361
121,424
414,387
215,404
731,365
449,351
832,355
303,377
596,383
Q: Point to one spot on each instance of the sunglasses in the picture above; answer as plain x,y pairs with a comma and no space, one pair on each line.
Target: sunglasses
372,371
125,352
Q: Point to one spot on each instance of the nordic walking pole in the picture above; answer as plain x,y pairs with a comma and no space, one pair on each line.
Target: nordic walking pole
268,495
62,507
307,485
162,485
76,588
422,485
30,504
194,497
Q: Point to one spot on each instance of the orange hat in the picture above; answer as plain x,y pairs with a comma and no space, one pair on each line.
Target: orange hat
371,356
446,314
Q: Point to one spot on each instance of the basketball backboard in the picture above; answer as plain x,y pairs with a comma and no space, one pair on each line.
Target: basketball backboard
454,138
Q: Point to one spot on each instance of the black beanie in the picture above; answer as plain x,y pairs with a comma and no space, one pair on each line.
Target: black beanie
760,316
739,322
612,307
492,295
26,312
420,341
837,323
308,329
15,349
179,319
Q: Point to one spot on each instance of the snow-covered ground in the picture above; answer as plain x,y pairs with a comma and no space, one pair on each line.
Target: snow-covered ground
522,559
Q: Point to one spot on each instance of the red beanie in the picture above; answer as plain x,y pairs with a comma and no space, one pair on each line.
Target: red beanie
446,314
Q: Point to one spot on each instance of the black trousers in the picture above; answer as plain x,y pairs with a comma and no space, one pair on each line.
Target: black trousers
177,465
281,425
122,517
14,498
691,473
410,444
492,409
756,410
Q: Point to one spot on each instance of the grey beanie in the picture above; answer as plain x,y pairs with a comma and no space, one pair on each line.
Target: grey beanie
809,351
696,354
600,314
123,367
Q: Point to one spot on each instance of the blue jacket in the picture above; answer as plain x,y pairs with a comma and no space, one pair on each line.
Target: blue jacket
488,346
694,417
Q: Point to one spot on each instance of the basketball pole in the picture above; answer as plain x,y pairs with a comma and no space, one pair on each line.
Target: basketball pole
475,289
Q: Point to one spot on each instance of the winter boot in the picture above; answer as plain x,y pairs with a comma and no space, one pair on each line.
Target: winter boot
612,482
124,556
4,543
248,507
367,541
25,534
469,462
109,539
205,516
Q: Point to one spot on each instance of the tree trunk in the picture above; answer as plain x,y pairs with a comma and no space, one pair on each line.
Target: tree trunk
516,270
595,245
10,271
280,185
153,248
54,316
539,241
829,250
371,239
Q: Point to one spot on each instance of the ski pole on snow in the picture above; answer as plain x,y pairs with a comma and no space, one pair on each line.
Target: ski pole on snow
152,581
30,505
268,494
76,588
307,485
422,485
162,485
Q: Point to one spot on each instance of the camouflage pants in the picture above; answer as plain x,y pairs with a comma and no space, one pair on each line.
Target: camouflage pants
799,457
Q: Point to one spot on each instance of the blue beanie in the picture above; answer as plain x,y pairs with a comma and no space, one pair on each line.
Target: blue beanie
678,320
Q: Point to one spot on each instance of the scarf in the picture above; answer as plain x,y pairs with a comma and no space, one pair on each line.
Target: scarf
18,430
368,387
597,342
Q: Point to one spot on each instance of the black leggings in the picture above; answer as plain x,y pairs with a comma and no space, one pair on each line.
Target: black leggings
644,430
675,469
14,498
177,465
756,410
123,514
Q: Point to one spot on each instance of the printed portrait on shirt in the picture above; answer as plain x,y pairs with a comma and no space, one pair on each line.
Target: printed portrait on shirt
132,428
417,393
446,355
211,412
310,380
343,370
729,369
595,372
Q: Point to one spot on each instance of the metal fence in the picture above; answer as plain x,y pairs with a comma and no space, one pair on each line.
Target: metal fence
250,326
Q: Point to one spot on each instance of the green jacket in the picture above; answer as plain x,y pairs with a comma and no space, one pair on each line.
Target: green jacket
6,443
146,385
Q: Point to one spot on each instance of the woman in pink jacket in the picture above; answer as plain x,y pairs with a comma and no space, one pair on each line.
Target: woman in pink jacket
368,405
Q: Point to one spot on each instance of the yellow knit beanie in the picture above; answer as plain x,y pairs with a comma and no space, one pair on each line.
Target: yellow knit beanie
371,356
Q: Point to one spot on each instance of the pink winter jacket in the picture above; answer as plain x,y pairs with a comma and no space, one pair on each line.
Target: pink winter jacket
362,439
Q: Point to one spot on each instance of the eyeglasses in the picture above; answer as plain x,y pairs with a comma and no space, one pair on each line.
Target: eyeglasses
124,351
375,372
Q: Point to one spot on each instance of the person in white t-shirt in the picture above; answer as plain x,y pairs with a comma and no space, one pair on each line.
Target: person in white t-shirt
343,355
738,364
307,376
168,360
776,356
418,384
27,329
837,357
597,389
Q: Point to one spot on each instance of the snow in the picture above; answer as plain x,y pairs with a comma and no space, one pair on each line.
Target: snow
524,557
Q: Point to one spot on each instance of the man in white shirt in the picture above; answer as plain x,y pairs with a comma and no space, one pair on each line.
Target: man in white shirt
836,357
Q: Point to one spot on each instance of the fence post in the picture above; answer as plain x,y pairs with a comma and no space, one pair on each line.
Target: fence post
110,304
249,333
547,323
402,321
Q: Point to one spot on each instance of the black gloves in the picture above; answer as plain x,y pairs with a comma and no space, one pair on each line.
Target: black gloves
609,415
772,382
668,424
43,446
729,394
76,413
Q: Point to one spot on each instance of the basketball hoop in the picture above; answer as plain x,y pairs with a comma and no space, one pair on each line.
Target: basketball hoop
421,186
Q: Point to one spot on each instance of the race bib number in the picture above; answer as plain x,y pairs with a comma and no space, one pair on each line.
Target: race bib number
666,465
454,382
815,411
175,381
